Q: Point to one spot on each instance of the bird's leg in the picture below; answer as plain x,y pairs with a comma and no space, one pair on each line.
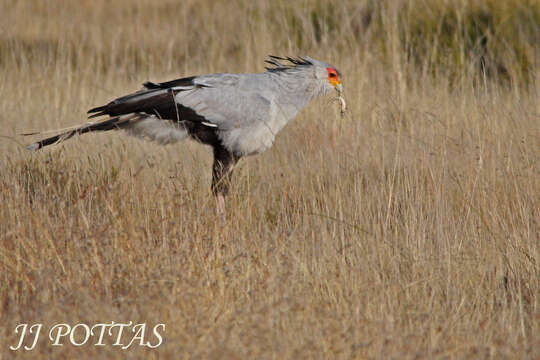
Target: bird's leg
220,206
224,162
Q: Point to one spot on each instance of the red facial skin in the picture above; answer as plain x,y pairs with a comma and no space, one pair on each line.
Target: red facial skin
333,76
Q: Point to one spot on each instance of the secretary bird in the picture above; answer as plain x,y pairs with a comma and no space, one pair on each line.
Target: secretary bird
236,114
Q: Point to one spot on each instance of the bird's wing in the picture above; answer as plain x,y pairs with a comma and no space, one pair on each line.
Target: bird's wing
156,99
224,101
228,101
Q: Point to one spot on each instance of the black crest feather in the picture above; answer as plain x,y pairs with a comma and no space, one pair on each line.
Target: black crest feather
293,62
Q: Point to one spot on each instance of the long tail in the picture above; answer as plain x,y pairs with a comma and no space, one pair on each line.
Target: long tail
114,123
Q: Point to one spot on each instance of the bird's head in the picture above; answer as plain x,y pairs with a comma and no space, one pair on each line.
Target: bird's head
334,78
321,77
328,75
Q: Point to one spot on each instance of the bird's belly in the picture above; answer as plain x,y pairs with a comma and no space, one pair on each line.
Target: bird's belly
248,141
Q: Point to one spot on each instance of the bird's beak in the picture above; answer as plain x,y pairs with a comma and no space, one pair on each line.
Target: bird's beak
338,86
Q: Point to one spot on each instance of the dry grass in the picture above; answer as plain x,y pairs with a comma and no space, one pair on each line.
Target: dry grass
410,229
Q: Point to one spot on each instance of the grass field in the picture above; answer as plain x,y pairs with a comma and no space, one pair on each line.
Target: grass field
409,229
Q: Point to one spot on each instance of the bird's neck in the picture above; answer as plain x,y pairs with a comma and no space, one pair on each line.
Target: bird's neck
296,90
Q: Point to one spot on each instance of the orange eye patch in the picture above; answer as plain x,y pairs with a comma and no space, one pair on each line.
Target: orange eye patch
332,73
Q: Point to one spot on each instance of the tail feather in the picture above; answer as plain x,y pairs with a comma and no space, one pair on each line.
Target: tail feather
110,124
97,109
98,114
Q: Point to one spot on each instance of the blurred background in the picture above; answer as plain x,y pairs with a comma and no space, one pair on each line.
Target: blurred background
408,229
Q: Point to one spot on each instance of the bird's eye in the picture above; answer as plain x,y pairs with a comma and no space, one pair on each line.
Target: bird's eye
332,75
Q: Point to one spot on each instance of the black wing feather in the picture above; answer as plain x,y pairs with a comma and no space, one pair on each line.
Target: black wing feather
157,99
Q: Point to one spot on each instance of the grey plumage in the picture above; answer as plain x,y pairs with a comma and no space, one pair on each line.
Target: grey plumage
237,114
